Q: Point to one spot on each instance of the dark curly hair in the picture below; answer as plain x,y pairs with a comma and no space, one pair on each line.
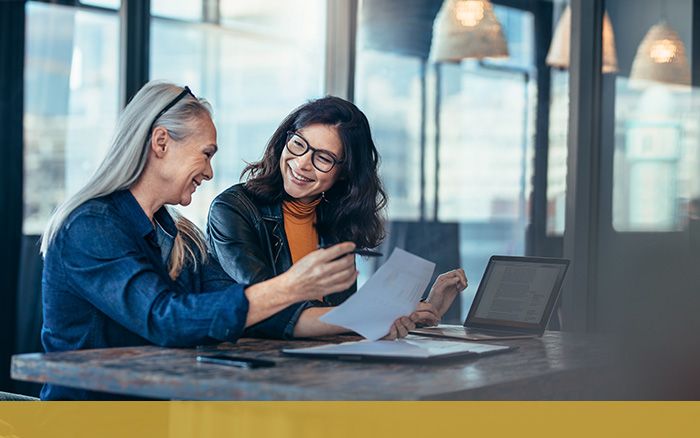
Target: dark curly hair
356,200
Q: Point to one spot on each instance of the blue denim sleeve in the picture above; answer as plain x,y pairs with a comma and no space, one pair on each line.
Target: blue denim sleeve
214,278
109,269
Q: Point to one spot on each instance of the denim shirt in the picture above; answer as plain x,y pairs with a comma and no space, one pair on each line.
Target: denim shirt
106,284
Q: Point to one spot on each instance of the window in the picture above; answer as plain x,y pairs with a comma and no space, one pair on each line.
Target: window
656,177
255,63
388,91
558,58
189,10
485,148
556,158
71,102
109,4
478,120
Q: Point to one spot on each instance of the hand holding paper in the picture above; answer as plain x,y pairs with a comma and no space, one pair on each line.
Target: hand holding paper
393,291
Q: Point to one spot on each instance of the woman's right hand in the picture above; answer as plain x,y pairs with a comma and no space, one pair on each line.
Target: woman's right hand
322,272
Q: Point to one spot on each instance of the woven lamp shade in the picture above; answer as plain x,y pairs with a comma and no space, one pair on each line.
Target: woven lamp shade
559,51
467,29
661,57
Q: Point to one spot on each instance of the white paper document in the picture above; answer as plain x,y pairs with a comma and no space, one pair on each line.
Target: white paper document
393,291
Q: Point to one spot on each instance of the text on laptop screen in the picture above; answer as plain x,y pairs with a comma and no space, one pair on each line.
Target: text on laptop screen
517,291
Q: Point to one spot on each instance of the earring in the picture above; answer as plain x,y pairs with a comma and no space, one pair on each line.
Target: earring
323,197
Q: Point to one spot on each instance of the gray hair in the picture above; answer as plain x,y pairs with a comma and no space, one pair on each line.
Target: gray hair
128,151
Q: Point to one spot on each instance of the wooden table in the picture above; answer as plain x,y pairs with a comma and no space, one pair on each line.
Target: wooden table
556,366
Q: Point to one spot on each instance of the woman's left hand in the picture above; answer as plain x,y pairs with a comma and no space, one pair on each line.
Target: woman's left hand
424,314
446,288
400,328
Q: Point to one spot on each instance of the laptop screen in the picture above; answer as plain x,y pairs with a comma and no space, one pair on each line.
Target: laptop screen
517,293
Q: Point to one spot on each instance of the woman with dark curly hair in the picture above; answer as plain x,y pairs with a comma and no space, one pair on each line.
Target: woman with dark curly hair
316,185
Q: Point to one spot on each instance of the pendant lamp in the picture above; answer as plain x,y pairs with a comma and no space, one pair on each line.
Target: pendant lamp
467,29
661,57
559,51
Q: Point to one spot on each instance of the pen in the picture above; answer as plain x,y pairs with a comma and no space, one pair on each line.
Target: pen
367,253
359,251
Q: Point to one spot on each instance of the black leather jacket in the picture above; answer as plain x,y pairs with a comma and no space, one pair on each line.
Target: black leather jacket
249,241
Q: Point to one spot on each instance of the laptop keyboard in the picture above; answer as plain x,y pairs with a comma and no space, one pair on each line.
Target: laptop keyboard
477,333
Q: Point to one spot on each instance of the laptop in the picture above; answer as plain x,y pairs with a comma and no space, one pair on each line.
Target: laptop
411,349
515,300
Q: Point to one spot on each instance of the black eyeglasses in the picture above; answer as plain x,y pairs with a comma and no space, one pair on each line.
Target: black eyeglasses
172,103
322,160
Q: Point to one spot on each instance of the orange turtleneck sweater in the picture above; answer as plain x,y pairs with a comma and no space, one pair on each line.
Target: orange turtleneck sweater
299,219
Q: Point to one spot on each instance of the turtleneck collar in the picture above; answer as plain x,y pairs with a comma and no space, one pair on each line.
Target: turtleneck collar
300,210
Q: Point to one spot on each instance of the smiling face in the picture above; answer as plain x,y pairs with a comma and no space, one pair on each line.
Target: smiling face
301,179
187,163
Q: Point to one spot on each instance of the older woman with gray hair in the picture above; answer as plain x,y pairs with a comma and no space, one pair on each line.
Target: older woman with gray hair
122,269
